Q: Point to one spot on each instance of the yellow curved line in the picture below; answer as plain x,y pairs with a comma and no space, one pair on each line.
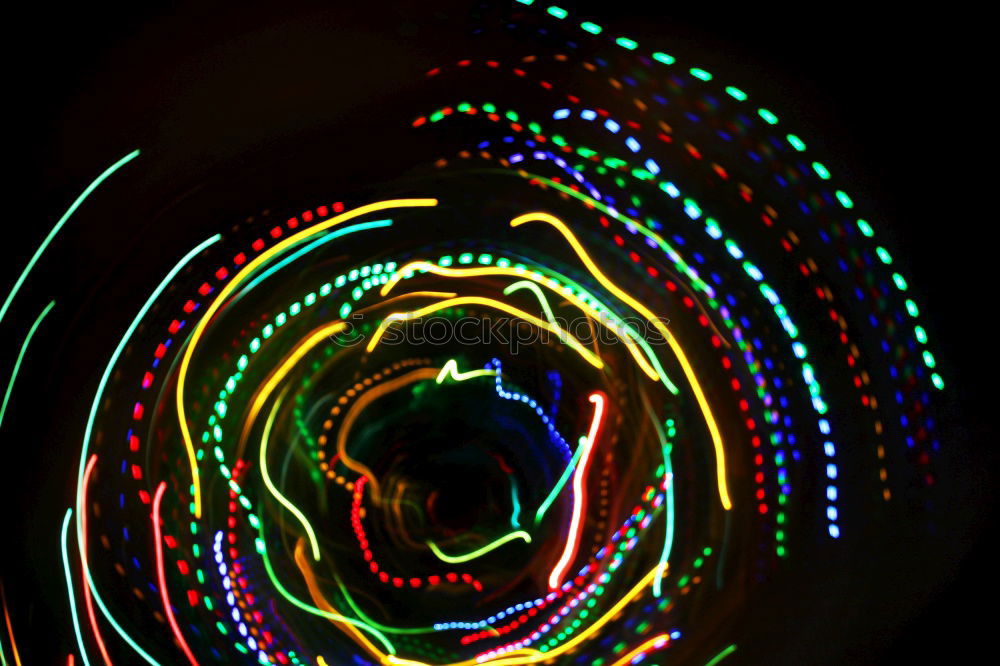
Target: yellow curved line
230,287
300,350
514,658
323,604
450,369
479,552
529,656
720,454
573,343
284,501
534,289
304,346
575,300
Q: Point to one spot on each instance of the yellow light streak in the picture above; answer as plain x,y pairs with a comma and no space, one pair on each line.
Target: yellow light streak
450,369
706,410
324,605
479,552
230,287
510,272
274,490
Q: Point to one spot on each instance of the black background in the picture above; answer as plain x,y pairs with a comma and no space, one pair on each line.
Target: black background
900,101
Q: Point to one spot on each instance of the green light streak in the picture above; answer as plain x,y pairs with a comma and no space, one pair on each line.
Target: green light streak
662,244
768,117
90,427
372,623
336,617
561,482
668,476
266,476
736,93
516,513
479,552
59,225
722,655
69,588
20,357
533,288
668,537
697,282
326,238
3,655
796,142
768,292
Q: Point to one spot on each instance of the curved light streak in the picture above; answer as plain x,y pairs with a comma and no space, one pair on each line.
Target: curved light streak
479,552
231,286
706,410
20,357
59,225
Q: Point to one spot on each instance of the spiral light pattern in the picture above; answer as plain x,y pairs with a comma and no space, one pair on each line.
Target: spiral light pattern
607,366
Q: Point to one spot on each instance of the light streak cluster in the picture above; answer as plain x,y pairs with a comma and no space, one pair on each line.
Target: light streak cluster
666,338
